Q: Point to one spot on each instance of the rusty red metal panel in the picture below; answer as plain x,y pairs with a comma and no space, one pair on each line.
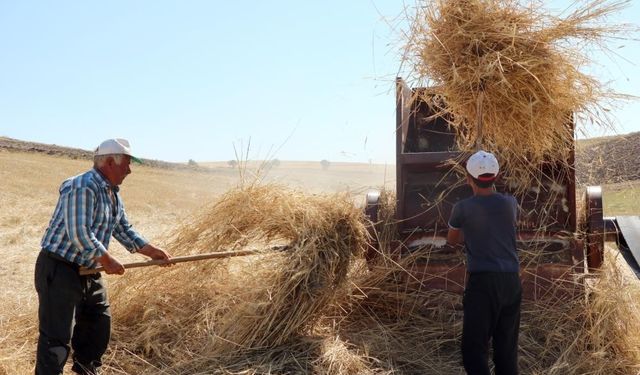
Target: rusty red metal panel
403,111
548,265
538,282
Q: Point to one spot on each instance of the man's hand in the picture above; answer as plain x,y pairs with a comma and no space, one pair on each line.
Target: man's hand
156,253
111,265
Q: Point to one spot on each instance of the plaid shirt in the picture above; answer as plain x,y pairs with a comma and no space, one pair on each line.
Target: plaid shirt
88,212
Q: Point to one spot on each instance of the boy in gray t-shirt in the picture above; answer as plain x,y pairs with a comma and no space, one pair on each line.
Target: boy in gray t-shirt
486,222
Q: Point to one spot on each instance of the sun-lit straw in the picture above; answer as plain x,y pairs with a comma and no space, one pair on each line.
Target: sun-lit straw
220,311
526,67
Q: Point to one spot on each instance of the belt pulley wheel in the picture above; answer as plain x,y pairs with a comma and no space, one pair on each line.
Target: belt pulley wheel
595,227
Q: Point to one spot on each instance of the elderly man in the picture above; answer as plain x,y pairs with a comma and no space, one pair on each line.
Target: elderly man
73,309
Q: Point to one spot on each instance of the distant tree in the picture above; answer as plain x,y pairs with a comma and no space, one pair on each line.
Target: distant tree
192,163
275,163
232,163
325,164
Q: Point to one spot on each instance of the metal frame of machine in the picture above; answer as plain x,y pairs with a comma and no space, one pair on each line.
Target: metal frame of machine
567,243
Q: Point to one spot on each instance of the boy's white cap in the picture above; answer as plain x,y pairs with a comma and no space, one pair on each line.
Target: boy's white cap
483,163
116,146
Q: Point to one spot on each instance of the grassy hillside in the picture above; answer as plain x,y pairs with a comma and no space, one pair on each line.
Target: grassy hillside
155,199
622,199
613,163
608,160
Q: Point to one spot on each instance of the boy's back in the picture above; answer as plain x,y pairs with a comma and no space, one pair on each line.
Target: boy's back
489,226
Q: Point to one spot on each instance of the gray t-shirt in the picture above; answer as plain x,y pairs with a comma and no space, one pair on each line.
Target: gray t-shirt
488,223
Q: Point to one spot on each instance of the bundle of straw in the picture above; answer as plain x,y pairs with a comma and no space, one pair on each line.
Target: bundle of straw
325,233
209,315
510,74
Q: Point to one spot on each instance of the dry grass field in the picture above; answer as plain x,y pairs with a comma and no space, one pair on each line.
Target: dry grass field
158,200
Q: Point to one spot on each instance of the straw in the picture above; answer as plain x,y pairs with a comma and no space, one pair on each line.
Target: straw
524,65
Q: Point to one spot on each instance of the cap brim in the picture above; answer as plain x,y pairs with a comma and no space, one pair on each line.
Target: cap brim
486,178
135,159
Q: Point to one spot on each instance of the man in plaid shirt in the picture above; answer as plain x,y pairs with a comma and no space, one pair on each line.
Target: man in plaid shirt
73,309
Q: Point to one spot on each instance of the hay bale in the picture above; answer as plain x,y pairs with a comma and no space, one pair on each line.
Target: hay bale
517,68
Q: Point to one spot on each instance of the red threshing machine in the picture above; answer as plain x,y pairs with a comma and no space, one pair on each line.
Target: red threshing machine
556,240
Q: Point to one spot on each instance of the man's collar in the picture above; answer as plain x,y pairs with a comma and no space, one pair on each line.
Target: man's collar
104,181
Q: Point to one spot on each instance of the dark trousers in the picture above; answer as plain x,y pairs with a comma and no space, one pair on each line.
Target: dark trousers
73,313
491,312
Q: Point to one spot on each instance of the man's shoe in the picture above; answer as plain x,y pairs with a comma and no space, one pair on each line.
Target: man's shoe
83,369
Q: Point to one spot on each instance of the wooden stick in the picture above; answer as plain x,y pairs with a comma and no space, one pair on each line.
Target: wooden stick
181,259
479,123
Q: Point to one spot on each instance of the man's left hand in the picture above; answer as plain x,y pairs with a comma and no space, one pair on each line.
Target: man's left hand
156,253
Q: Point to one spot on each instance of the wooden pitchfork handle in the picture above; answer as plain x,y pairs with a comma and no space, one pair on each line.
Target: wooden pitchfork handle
181,259
479,124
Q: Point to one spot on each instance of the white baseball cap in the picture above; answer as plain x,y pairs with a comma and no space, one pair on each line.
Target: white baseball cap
116,146
483,162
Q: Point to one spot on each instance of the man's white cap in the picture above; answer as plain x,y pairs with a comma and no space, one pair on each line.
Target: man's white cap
483,163
116,146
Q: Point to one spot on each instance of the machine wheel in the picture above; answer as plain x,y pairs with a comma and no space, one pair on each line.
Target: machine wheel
595,227
371,210
372,206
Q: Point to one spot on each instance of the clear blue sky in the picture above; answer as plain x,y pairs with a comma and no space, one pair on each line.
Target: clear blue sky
308,80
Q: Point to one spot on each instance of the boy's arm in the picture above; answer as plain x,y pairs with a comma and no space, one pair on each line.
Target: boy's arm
454,236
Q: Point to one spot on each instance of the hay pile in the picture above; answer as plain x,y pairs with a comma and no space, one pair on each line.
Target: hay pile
212,314
517,68
317,308
18,336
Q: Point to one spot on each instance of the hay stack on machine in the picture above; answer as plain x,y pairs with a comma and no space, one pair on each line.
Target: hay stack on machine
500,76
